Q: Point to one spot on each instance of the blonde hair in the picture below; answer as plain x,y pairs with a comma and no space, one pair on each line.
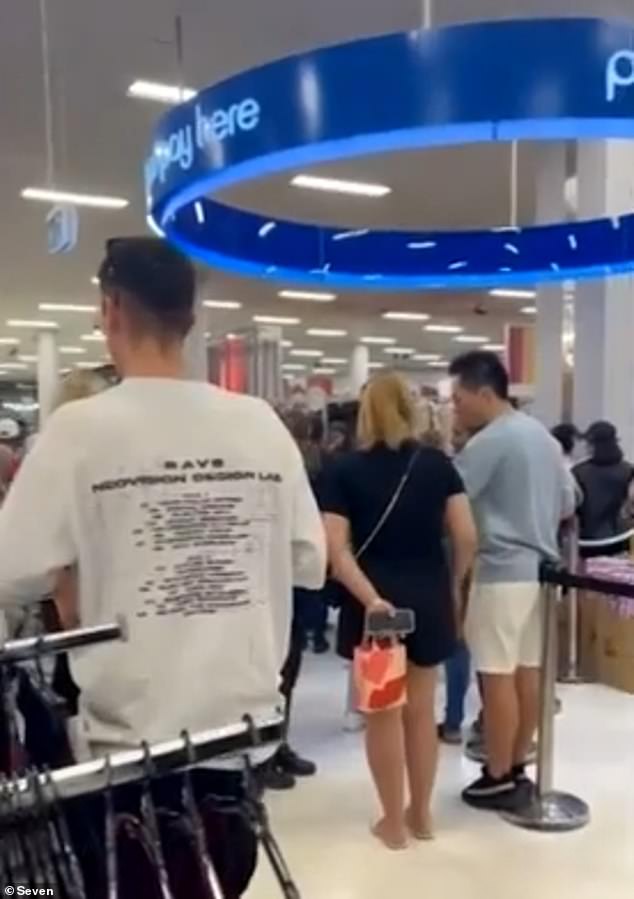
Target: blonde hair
79,385
387,414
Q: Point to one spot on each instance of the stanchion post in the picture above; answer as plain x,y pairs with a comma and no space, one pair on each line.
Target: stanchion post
572,674
544,808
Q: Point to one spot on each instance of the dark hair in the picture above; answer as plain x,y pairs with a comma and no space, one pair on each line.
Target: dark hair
479,369
565,434
158,280
603,439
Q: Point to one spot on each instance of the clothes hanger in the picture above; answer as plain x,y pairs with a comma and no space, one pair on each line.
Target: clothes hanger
191,811
150,819
63,830
258,816
112,872
36,817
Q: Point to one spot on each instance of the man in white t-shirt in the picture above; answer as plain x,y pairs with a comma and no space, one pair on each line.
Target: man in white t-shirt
186,509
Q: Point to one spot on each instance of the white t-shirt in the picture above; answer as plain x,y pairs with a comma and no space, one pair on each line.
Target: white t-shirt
187,511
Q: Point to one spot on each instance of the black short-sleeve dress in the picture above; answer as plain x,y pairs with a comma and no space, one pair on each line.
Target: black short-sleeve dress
407,561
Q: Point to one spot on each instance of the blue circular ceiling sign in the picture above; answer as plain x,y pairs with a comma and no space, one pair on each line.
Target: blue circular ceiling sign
543,79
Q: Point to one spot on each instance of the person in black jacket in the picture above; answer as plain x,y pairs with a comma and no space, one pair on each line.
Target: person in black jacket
605,479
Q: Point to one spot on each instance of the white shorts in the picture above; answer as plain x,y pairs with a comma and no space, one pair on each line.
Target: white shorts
504,627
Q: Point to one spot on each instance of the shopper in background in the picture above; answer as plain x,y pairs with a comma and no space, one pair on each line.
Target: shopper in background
566,436
605,480
140,487
520,490
403,566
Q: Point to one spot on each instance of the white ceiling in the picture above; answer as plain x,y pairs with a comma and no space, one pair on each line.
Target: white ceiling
101,137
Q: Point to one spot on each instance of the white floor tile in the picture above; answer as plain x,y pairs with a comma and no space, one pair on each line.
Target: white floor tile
323,824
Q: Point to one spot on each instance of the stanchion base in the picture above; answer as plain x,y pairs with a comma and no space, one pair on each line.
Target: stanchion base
553,813
574,679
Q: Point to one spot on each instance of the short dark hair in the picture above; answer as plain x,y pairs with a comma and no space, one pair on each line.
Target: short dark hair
566,434
158,279
479,369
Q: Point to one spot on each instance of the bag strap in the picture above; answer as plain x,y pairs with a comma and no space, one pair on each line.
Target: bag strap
378,527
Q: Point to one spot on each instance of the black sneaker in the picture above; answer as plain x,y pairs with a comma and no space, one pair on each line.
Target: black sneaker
291,763
519,774
449,736
273,777
490,792
321,646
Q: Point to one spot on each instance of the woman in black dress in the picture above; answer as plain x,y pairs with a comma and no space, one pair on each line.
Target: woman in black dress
405,566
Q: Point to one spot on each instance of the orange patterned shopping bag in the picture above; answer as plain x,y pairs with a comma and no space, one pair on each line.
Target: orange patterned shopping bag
380,668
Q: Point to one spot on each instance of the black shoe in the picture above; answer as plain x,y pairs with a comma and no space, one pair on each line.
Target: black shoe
321,645
449,736
519,774
288,761
273,777
491,792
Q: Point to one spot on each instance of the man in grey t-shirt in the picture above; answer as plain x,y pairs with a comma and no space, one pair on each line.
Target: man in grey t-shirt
520,490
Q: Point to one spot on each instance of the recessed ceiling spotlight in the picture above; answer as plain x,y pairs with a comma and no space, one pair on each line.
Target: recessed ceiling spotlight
94,281
444,329
406,316
96,201
340,186
315,296
160,93
513,294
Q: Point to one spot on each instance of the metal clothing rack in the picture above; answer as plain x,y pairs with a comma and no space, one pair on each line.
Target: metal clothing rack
52,644
165,758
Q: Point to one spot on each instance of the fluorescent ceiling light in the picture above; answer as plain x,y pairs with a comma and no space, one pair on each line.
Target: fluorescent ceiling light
66,307
72,350
513,294
275,320
399,350
95,337
440,363
13,366
406,316
375,365
426,357
27,359
334,360
222,304
339,186
36,324
471,338
324,371
287,344
160,93
378,341
494,347
89,364
444,329
316,296
307,354
9,341
45,195
292,366
326,332
529,310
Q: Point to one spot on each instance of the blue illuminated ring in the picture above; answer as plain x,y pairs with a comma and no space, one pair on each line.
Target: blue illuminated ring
550,79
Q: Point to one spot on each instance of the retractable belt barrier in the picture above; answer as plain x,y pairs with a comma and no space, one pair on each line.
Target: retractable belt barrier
547,809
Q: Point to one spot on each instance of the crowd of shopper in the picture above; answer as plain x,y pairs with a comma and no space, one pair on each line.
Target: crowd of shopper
455,535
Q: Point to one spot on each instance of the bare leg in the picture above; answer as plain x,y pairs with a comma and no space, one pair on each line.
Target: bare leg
386,757
501,721
421,748
527,686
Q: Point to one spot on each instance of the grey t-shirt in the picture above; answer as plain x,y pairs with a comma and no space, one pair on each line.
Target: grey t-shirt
520,490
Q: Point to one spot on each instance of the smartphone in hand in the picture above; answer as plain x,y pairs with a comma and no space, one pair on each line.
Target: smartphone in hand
382,624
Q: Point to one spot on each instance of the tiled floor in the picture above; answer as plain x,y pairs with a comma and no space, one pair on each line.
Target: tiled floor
323,824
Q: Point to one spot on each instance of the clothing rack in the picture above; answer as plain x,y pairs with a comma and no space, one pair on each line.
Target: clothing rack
52,644
159,759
